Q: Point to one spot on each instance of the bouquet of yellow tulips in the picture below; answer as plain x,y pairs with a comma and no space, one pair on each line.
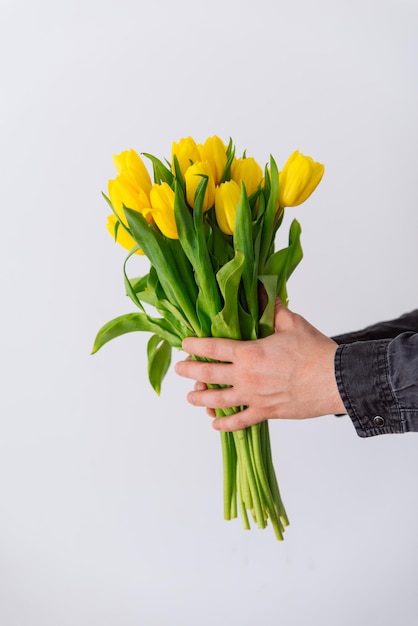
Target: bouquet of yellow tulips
207,224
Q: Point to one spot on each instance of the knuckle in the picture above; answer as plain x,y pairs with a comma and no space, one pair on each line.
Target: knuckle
210,348
207,372
223,398
240,421
251,354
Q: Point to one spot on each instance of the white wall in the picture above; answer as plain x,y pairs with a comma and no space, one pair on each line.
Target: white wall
111,497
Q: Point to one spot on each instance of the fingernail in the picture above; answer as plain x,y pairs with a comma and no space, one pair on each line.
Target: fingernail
191,398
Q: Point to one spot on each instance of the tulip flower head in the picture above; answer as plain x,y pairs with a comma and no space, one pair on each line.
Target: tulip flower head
193,176
162,202
186,152
122,236
214,151
132,185
298,179
131,167
227,196
247,171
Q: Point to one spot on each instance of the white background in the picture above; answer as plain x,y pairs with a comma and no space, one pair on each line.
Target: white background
110,497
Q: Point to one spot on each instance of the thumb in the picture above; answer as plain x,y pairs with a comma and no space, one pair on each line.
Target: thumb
281,315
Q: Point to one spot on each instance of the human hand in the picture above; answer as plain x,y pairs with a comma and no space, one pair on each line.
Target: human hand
288,375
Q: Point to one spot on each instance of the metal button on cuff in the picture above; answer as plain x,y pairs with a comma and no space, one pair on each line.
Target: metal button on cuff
378,421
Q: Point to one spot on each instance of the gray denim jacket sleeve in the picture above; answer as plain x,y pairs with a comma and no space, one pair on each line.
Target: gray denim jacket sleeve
376,370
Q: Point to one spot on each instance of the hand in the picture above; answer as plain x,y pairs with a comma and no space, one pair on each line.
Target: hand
288,375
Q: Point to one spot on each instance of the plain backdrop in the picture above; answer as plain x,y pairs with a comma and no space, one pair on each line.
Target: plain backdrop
110,497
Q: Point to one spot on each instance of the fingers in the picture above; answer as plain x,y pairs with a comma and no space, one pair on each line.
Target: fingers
210,348
199,386
237,421
223,398
210,372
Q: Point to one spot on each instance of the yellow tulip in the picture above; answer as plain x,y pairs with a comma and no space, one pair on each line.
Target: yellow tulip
247,171
186,151
131,167
227,196
162,202
214,151
121,192
298,179
132,185
122,237
193,176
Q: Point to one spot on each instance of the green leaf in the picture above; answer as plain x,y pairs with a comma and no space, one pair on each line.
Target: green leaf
266,323
254,201
154,295
247,324
161,173
185,269
159,359
243,241
148,289
139,283
209,302
108,201
220,246
132,293
226,323
185,224
296,252
202,313
269,215
158,250
199,198
179,180
277,264
283,262
230,153
133,322
191,229
261,207
173,317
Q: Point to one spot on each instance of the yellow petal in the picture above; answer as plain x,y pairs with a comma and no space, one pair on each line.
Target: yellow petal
130,165
247,171
186,152
214,151
298,179
121,192
227,196
122,237
193,176
162,202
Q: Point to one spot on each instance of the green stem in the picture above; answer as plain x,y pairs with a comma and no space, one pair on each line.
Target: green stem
260,465
241,438
228,485
244,516
233,466
249,476
272,478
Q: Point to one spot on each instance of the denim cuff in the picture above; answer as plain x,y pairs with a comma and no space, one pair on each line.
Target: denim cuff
363,379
